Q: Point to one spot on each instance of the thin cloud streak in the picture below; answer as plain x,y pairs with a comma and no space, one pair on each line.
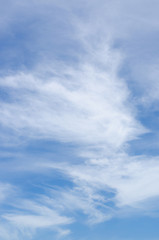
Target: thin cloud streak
112,184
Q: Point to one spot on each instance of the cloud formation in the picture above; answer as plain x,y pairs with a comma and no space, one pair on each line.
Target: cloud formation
86,104
72,79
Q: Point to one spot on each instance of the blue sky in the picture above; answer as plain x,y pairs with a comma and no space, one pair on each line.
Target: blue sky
79,111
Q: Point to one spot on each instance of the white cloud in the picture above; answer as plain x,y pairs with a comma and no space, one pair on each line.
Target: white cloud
35,221
109,184
83,104
27,216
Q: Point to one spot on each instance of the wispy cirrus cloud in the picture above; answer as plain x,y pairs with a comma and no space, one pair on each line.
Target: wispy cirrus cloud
23,217
125,177
84,104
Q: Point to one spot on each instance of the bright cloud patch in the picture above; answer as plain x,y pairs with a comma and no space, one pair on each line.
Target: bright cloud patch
87,104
